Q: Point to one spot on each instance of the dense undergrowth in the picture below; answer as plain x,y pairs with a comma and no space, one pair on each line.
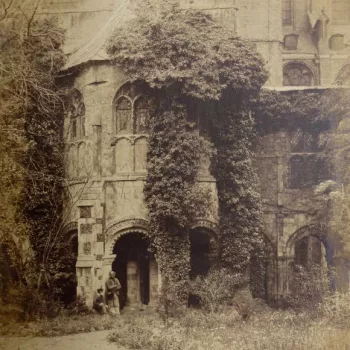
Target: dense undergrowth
325,328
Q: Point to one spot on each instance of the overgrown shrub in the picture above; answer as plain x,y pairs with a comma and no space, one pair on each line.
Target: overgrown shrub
216,290
335,308
309,286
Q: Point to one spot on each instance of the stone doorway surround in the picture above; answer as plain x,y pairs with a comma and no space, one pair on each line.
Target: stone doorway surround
114,233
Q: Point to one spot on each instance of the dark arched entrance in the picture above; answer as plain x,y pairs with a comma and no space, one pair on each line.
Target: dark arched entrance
69,255
200,252
203,254
136,270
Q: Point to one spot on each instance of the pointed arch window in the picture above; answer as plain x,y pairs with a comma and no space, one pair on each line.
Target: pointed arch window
308,250
132,110
76,115
297,74
141,112
123,115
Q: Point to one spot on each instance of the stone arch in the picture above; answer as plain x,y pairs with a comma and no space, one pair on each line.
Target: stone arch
296,73
208,225
308,230
204,247
343,76
70,227
117,229
135,266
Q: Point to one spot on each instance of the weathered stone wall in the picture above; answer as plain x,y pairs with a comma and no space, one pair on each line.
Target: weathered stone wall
107,172
110,170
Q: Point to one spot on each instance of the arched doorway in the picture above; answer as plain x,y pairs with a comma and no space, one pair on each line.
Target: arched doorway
312,265
136,269
203,255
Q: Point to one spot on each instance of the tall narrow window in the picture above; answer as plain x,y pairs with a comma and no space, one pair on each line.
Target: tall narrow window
341,11
141,109
287,15
123,115
308,251
76,114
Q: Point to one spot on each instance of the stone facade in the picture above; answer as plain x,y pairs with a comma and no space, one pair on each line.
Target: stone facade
305,44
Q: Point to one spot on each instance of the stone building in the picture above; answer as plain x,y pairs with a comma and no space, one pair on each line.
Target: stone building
306,45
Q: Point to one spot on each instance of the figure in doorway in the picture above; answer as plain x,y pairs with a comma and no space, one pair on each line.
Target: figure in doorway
112,291
99,302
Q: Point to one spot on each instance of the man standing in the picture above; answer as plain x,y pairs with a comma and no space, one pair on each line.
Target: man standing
112,291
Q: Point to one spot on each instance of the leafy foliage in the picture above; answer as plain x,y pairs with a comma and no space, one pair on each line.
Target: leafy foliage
185,51
217,289
189,60
32,145
239,199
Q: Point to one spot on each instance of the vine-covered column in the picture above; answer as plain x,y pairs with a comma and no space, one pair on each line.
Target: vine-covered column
237,183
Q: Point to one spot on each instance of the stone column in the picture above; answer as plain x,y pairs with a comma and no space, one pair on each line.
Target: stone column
84,271
283,276
153,282
133,283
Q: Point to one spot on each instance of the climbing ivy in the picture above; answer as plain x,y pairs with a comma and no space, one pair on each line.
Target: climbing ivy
237,183
193,64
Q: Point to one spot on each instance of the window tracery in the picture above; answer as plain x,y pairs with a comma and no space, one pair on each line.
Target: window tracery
131,110
307,166
297,74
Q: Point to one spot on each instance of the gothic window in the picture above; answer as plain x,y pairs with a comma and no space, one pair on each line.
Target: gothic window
308,250
341,10
287,6
141,111
297,74
131,110
123,115
76,115
301,252
302,141
307,166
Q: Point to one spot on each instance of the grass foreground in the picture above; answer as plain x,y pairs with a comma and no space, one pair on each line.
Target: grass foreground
325,328
225,331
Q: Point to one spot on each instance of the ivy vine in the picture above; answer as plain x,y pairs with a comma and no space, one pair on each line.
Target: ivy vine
189,60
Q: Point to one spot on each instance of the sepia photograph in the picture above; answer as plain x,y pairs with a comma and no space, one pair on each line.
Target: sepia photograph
175,174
